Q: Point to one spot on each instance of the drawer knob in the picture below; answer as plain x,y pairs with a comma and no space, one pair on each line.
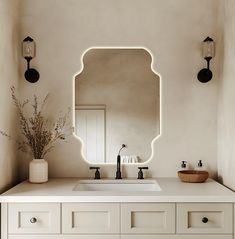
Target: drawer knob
205,220
33,220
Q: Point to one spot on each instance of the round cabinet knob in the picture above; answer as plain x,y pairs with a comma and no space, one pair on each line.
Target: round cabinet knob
33,220
205,220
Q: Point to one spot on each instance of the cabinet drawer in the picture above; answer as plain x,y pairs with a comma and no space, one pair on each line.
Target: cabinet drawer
43,218
205,218
90,218
147,218
64,237
176,237
122,237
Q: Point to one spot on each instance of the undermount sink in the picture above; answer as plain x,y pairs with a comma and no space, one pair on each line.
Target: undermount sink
123,185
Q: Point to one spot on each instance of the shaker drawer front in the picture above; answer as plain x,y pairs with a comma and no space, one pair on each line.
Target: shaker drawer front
206,218
176,237
147,218
66,237
143,236
42,218
90,218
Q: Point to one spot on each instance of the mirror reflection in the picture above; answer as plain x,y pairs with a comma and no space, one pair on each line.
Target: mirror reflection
117,102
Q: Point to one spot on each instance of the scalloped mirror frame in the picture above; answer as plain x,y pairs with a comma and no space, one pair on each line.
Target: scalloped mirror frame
160,104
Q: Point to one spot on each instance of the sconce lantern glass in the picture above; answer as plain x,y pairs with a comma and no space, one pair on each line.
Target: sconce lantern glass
208,52
29,52
28,48
208,48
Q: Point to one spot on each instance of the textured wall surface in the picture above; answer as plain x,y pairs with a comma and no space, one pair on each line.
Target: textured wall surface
9,50
171,30
226,112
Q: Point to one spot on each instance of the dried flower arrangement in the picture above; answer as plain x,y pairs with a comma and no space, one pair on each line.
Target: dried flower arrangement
39,137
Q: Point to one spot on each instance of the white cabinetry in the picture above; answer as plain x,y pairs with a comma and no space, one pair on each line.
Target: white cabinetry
63,236
117,221
90,218
34,218
177,237
148,218
121,237
207,218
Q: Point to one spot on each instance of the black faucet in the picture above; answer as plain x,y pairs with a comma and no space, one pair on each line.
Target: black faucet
97,173
140,173
119,173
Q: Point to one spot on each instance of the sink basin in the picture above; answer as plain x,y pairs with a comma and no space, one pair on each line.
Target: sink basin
118,185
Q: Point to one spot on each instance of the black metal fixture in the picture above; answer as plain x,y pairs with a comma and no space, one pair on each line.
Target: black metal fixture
140,173
33,220
205,219
119,173
29,51
208,52
97,173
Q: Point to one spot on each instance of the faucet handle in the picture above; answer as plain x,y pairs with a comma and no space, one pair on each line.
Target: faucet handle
97,173
140,173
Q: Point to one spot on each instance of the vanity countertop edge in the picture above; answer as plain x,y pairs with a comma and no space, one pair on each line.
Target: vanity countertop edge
173,190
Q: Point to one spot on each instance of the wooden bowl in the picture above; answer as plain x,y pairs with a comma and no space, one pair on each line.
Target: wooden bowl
193,176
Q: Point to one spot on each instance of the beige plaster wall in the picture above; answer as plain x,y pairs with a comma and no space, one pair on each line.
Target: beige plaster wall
123,81
226,112
9,52
172,30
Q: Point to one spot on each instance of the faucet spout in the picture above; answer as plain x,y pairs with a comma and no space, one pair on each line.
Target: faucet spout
119,173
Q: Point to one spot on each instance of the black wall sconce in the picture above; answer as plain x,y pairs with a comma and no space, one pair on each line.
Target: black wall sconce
29,51
208,52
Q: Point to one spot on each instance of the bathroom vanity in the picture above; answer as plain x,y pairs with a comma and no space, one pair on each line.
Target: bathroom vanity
164,208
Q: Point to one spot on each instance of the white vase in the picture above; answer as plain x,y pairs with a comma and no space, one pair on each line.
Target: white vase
38,171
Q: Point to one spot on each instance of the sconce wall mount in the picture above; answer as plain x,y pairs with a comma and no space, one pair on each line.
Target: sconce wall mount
208,52
28,52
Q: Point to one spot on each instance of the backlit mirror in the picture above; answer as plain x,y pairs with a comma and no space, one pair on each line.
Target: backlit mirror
117,102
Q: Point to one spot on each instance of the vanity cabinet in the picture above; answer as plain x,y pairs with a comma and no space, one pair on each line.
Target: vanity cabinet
63,236
117,221
121,237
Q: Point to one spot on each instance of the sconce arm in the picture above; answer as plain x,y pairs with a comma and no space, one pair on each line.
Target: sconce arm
208,59
28,59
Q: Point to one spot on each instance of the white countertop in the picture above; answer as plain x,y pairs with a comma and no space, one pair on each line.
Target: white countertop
61,190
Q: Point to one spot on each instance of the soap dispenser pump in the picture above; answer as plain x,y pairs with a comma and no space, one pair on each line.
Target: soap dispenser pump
200,166
184,165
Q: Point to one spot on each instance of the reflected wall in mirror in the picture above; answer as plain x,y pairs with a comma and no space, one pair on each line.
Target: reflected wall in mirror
117,102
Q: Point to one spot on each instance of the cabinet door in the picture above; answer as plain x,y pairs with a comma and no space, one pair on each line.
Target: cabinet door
34,218
90,218
64,237
205,218
90,127
4,221
177,237
120,237
147,218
